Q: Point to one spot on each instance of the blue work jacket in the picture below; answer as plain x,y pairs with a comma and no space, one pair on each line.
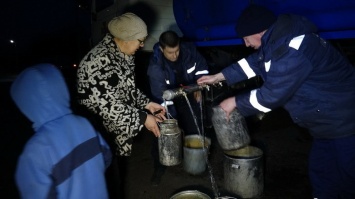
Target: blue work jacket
304,74
161,71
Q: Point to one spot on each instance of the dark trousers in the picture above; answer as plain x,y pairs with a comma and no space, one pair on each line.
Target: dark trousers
155,154
115,177
332,168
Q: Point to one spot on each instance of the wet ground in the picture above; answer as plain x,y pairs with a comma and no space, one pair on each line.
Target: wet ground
285,148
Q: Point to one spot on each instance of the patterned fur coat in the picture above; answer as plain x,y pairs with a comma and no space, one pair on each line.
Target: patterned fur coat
106,86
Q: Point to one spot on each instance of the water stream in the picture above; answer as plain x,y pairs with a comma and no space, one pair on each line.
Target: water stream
202,140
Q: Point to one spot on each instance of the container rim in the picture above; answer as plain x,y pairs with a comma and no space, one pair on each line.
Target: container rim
169,121
190,193
238,153
196,136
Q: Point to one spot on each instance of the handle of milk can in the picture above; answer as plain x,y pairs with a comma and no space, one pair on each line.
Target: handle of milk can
235,166
170,116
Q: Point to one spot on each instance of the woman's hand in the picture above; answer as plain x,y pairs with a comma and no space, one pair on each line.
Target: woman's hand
157,110
151,125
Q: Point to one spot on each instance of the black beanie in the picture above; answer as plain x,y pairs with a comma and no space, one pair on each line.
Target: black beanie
254,19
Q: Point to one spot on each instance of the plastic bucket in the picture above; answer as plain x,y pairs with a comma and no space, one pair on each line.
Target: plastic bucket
244,172
195,154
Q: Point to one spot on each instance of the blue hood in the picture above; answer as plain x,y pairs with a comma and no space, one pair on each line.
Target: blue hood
41,99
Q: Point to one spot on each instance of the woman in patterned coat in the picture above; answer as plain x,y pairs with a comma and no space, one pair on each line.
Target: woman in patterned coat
106,83
106,87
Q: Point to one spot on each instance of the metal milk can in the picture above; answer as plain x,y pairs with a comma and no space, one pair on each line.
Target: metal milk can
232,134
170,146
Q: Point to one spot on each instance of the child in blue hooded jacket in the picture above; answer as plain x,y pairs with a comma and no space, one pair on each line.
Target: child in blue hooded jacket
66,157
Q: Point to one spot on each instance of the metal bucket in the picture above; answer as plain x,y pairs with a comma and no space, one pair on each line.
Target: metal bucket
232,134
195,154
169,141
244,172
193,194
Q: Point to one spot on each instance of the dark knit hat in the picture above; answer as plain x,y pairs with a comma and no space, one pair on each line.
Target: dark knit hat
254,19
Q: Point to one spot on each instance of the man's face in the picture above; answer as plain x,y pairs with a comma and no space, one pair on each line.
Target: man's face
253,41
170,53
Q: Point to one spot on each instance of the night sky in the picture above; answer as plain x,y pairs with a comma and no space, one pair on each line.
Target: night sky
56,31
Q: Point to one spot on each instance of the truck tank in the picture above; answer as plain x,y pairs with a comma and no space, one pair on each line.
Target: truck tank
212,22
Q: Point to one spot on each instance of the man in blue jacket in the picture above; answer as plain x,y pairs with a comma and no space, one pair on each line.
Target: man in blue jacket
66,157
176,64
307,76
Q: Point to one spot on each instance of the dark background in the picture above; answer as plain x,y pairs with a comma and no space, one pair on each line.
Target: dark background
58,31
55,31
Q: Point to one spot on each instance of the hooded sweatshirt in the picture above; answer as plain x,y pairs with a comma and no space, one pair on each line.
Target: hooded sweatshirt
65,158
304,74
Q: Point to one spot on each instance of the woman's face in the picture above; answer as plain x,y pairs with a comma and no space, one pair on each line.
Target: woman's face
133,46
